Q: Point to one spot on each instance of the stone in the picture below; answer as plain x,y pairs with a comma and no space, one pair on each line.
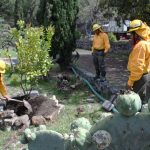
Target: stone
7,114
90,100
7,123
21,122
54,114
38,120
33,93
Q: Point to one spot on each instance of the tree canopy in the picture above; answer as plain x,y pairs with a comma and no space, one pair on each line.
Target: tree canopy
131,9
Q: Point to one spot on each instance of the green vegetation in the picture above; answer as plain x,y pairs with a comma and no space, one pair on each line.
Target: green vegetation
128,9
128,103
26,10
4,53
4,136
35,44
72,100
63,16
112,37
32,52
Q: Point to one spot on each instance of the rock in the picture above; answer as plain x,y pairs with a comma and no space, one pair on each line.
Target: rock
7,114
38,120
54,115
24,119
54,101
73,86
7,124
144,108
33,93
80,109
90,100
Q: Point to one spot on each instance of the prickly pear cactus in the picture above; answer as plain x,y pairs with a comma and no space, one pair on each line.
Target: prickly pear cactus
128,103
111,132
102,139
79,129
80,139
28,136
122,133
80,122
43,140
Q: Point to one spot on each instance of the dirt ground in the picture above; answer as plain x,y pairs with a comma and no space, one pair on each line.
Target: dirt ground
116,67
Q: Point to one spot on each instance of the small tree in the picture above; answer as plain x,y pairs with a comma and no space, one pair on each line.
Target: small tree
32,53
64,15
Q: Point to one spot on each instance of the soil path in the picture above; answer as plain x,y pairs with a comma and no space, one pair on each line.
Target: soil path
116,68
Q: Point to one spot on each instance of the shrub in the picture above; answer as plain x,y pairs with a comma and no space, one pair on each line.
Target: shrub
112,37
32,46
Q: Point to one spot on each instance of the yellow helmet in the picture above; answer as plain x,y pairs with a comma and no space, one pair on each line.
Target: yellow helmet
135,25
96,26
2,66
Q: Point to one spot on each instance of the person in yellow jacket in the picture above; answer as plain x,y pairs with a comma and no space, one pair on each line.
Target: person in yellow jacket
100,46
139,60
2,86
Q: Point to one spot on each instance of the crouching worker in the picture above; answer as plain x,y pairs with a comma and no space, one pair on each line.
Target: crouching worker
100,47
139,60
2,86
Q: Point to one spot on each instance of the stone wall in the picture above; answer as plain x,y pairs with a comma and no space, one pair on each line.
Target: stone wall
119,46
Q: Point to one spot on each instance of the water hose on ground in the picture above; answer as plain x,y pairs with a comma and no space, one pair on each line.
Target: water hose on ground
92,89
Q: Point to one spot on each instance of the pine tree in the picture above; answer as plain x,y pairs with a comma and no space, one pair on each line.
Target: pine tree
41,12
64,15
18,11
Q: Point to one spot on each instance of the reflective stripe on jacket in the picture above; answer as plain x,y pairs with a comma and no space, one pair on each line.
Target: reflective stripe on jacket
2,86
101,41
139,61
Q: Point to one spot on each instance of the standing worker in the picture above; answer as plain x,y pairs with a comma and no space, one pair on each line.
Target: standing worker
139,60
2,86
100,47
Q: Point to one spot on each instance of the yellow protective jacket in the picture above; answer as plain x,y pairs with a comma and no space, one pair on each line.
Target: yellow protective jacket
2,86
101,41
139,61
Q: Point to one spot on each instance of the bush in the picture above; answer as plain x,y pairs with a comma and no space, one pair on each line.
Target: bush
32,46
112,37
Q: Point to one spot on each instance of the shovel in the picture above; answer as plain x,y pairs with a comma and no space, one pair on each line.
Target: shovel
108,104
26,104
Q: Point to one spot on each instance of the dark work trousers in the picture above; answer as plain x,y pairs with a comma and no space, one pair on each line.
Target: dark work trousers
142,87
98,60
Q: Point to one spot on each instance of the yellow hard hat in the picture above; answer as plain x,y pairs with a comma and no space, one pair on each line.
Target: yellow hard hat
96,26
135,25
2,66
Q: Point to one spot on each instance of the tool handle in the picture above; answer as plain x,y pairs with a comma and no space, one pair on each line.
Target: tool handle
11,99
16,100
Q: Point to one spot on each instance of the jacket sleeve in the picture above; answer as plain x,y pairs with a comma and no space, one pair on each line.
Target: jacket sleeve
106,43
136,64
2,86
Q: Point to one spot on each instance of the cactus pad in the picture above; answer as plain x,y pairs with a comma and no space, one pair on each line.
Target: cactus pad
102,139
128,103
82,123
